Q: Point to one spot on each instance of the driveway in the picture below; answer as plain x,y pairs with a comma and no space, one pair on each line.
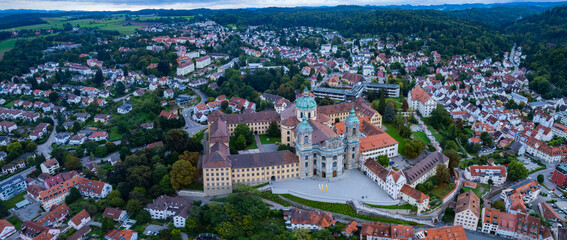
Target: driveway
45,148
30,211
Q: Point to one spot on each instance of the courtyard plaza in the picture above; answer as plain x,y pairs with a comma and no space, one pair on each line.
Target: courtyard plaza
353,185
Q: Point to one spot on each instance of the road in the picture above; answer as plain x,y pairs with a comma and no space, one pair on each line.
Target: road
45,148
192,127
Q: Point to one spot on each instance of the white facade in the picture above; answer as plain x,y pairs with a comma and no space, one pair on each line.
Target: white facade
390,151
467,219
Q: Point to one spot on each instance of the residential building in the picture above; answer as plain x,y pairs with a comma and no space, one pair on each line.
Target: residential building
121,234
421,101
519,194
388,179
483,174
203,62
80,220
56,194
377,230
115,214
548,213
490,220
467,210
50,166
296,218
98,136
415,198
185,68
55,216
377,145
12,187
165,207
424,169
124,108
442,233
6,229
350,229
13,166
390,90
560,175
36,231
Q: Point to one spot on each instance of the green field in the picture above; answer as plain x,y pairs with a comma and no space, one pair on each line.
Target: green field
441,190
7,44
264,139
114,23
10,203
481,189
405,206
344,209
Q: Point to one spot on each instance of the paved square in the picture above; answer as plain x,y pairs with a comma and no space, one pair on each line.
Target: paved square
351,186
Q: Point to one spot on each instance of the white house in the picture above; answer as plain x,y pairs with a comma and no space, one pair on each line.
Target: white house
185,68
467,210
6,229
389,180
414,197
49,166
421,101
304,219
80,220
484,173
203,61
125,108
165,206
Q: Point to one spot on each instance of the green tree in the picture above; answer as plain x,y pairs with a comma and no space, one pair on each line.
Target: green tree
182,174
383,160
239,143
440,117
399,120
454,158
176,140
165,185
243,130
274,130
107,224
143,217
540,178
120,88
14,147
159,171
389,113
31,147
101,151
498,205
301,234
4,211
486,139
98,78
53,97
442,173
517,171
134,206
323,234
226,230
73,196
412,148
449,215
382,104
405,132
72,163
405,105
163,68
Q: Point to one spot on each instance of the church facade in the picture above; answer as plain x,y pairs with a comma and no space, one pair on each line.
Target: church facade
321,149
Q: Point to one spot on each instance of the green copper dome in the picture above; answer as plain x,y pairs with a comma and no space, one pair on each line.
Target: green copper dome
304,125
351,119
305,101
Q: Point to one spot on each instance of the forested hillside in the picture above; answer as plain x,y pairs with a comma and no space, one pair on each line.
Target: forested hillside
444,33
544,38
18,20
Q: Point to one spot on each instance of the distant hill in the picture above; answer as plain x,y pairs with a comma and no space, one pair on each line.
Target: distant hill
18,20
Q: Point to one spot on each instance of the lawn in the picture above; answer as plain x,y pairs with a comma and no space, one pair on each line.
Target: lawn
8,44
252,146
440,190
481,189
10,203
405,206
114,23
274,198
393,132
114,134
344,209
9,104
421,136
264,139
14,220
200,135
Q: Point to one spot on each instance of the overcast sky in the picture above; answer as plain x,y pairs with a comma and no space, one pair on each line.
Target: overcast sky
113,5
